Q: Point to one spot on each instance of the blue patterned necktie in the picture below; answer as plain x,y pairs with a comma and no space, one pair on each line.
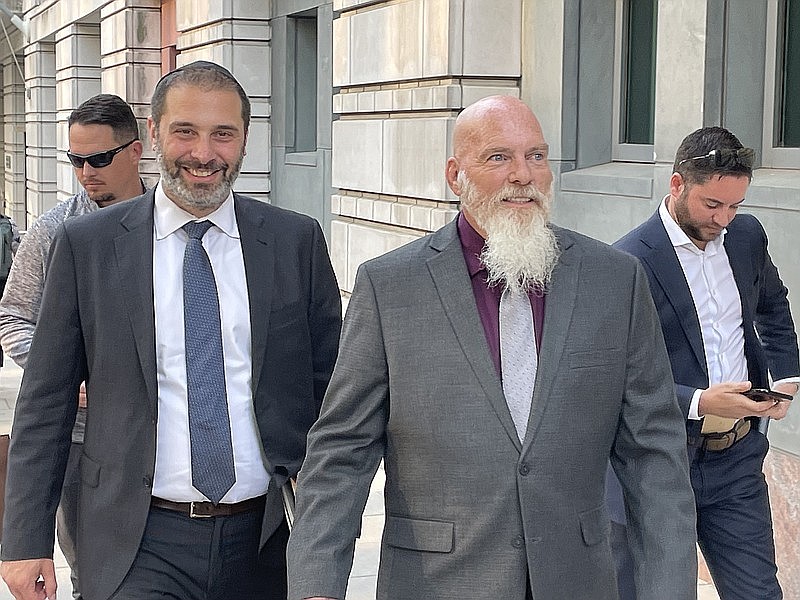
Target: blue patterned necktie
209,425
518,357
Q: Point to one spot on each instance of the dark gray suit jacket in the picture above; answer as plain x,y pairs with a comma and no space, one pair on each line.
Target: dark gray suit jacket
97,324
469,509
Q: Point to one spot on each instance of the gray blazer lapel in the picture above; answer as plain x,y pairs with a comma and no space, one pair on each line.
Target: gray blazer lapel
452,282
259,256
134,254
559,306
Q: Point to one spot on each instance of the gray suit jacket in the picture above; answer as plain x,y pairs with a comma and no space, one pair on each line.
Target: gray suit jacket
97,324
469,510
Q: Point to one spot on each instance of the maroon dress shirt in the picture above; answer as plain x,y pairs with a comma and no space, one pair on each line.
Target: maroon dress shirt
487,298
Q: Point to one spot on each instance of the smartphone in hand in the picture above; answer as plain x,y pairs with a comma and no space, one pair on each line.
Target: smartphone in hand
762,395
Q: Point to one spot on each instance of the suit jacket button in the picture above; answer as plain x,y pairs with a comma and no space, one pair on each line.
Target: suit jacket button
518,542
147,481
524,469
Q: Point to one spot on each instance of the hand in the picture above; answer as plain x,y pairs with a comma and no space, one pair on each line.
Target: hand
779,409
726,400
82,396
23,578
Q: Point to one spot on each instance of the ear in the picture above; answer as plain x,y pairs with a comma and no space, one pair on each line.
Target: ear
138,149
451,174
151,129
676,185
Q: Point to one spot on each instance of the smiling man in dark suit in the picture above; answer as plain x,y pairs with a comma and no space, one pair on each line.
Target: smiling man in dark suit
205,325
726,321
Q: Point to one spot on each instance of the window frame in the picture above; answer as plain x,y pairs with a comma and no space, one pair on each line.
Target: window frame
776,157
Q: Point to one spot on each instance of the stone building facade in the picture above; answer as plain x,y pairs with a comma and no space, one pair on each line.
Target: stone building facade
354,102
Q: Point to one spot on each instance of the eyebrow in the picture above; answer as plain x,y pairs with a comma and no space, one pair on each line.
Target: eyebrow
506,150
223,126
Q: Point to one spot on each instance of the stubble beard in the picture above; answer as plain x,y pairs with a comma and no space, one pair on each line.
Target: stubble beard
199,195
521,250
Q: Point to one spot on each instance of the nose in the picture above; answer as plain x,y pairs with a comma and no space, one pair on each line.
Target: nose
202,150
521,172
724,216
88,169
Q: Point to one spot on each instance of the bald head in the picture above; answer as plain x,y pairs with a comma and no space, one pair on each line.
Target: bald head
491,114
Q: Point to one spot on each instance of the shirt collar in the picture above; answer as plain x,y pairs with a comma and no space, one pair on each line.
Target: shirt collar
169,217
678,236
472,244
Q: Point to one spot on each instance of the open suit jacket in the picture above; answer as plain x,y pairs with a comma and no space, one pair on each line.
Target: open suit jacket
469,509
97,324
770,342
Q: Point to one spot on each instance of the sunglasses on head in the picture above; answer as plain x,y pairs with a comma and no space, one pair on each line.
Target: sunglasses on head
97,160
727,157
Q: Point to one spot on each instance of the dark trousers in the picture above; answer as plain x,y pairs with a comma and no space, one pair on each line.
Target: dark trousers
734,522
217,558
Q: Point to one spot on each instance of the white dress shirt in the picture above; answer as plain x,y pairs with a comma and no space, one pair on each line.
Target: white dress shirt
173,475
717,303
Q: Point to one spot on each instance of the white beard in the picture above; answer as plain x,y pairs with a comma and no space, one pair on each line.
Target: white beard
521,251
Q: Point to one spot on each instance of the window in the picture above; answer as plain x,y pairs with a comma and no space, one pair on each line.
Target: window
635,79
301,84
788,75
781,139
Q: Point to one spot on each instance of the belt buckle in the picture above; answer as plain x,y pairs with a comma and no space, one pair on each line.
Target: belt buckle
195,515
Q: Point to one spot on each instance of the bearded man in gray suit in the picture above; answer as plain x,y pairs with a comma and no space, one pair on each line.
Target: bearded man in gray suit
491,492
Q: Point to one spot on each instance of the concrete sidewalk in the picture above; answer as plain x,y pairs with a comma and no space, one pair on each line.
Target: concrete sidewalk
365,565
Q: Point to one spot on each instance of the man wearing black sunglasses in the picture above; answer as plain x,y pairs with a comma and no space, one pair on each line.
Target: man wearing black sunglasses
726,321
104,149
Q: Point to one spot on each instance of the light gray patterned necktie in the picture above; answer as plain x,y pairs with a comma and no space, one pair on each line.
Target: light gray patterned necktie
518,359
213,472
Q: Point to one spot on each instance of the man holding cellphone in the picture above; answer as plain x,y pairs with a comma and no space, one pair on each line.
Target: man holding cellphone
728,328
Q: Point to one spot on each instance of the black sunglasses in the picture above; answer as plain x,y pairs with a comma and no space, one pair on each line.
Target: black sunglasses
99,159
727,157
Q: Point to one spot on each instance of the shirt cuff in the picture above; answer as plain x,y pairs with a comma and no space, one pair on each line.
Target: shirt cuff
794,380
694,405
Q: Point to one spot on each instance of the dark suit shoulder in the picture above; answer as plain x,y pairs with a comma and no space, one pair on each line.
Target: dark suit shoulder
746,225
632,242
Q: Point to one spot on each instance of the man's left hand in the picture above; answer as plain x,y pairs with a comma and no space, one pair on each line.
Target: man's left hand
779,409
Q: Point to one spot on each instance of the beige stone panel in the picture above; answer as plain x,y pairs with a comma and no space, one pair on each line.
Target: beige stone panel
386,43
416,152
384,100
401,214
366,101
341,51
347,206
438,29
365,243
420,217
492,37
543,68
422,98
382,211
349,103
338,250
135,28
357,155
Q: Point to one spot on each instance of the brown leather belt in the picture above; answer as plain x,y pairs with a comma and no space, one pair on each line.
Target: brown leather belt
197,510
717,442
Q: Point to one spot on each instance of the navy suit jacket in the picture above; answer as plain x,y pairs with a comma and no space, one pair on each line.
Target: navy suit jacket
97,325
770,341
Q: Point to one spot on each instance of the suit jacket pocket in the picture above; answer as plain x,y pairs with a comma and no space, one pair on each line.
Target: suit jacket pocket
595,525
90,471
416,534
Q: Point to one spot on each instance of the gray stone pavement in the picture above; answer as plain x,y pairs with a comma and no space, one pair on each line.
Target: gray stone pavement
365,565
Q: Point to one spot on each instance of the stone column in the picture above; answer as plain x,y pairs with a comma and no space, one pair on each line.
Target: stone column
77,79
14,140
40,127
